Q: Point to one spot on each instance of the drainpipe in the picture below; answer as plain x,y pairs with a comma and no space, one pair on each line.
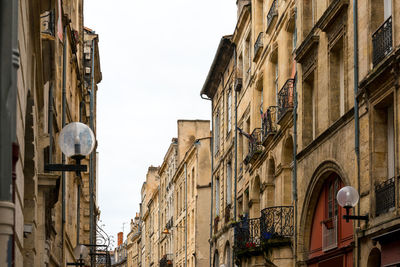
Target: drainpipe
91,159
236,158
356,118
50,122
9,65
64,103
78,211
212,174
294,181
186,213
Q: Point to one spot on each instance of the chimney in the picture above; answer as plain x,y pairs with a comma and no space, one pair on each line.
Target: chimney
120,238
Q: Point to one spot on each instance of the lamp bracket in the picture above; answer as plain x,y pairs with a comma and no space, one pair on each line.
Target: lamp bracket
65,168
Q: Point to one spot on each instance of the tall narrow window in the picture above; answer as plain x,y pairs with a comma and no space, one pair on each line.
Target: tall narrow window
336,81
229,183
229,111
276,81
217,196
193,182
390,138
216,133
294,37
387,4
309,107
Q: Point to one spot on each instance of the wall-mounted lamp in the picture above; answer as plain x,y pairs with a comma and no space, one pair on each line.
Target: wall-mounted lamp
76,141
348,197
81,252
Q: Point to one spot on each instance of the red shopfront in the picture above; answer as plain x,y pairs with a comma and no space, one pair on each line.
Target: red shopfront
331,236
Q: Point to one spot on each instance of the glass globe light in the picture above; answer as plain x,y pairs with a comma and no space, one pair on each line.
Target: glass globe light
76,139
347,197
81,252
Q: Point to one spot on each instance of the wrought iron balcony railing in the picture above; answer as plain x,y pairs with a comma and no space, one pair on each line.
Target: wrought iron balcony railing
247,235
275,223
238,84
169,224
285,98
255,145
166,260
269,122
385,196
258,45
272,13
382,41
278,222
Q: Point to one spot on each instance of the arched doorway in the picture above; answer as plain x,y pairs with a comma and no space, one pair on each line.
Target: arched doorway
216,259
228,255
374,258
330,235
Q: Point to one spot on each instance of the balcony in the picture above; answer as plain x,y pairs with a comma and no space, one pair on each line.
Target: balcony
269,124
385,197
166,261
285,99
329,234
169,224
258,46
255,146
382,42
238,84
247,236
275,227
272,13
278,222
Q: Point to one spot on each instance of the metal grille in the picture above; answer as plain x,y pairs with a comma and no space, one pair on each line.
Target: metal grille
329,235
277,222
258,44
269,121
285,98
255,146
247,234
166,260
382,41
272,13
385,196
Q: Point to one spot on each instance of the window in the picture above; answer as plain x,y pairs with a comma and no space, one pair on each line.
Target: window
229,183
310,110
336,81
229,111
276,81
193,182
216,133
217,196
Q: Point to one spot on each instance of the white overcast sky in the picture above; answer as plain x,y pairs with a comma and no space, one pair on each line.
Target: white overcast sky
155,56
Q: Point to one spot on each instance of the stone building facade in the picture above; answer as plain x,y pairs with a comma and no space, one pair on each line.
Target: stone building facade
48,213
312,116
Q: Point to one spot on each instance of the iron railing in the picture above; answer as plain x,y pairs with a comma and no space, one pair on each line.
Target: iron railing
278,222
285,98
247,234
169,224
329,234
238,84
255,145
99,252
272,13
269,122
166,260
258,45
382,41
274,223
385,196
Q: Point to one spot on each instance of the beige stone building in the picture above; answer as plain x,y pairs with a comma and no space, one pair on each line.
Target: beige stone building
48,213
297,57
133,242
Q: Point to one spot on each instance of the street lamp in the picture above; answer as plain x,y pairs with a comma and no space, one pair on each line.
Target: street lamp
348,197
80,252
76,141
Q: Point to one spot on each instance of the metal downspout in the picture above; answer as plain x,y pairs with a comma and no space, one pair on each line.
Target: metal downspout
9,65
236,158
356,119
78,212
64,103
212,170
91,174
186,213
294,181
